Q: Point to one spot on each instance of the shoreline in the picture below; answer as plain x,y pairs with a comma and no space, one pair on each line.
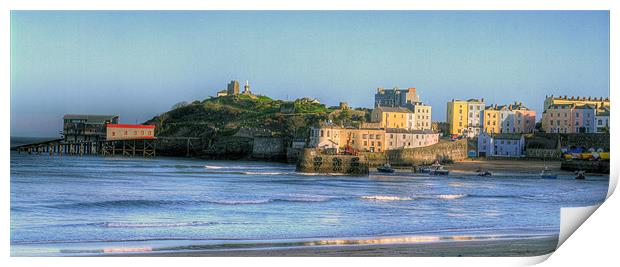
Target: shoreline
518,247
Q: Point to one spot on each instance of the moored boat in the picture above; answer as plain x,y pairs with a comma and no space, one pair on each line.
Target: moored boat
386,168
439,170
580,175
547,174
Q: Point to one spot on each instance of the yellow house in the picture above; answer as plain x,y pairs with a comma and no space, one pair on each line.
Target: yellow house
457,116
464,116
370,140
393,117
491,120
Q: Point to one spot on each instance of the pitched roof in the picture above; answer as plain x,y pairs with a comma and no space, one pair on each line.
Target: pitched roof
394,109
399,130
507,136
586,106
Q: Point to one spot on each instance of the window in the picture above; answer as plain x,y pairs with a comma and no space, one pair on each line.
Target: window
113,133
321,133
365,136
327,133
365,143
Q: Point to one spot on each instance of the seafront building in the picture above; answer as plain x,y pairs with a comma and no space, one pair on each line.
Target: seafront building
575,114
597,102
500,144
513,118
327,135
86,128
570,118
129,132
393,117
402,138
400,109
602,120
422,117
418,118
396,97
464,117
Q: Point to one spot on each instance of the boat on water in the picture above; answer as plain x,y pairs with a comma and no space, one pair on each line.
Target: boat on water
484,173
580,175
547,174
386,168
439,170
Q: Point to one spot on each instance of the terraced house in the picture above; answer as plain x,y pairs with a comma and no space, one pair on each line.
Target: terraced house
513,118
464,117
575,114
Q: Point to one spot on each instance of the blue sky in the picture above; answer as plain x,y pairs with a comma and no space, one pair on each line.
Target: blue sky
138,63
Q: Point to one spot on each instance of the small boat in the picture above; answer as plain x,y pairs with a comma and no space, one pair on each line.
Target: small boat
547,174
424,169
386,168
439,170
484,173
581,175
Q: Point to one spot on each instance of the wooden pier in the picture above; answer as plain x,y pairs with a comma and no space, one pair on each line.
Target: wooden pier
128,148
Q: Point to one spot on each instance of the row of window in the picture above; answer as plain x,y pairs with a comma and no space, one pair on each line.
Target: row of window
135,133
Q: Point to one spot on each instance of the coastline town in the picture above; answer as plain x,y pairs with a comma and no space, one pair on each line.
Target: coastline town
397,132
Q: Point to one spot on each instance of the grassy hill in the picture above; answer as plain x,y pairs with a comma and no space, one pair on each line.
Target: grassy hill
216,120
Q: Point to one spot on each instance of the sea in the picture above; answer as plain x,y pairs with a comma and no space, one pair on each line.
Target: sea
91,205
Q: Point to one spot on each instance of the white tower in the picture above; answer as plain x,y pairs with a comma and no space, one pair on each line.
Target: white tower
246,88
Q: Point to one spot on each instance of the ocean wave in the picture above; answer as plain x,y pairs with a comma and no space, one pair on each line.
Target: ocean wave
264,173
152,225
140,203
271,200
385,198
454,196
121,203
214,167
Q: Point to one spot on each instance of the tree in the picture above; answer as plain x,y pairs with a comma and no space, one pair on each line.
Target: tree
179,105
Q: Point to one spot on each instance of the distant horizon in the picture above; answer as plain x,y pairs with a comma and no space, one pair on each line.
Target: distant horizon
138,64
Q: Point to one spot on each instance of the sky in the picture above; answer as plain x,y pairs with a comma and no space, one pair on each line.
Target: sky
138,64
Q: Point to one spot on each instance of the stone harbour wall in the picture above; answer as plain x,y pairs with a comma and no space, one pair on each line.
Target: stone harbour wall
310,161
593,166
270,148
443,151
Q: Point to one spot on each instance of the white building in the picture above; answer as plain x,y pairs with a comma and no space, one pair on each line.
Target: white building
402,138
475,112
602,120
325,136
500,145
423,115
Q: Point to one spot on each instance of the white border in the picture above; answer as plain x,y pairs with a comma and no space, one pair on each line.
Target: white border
592,246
